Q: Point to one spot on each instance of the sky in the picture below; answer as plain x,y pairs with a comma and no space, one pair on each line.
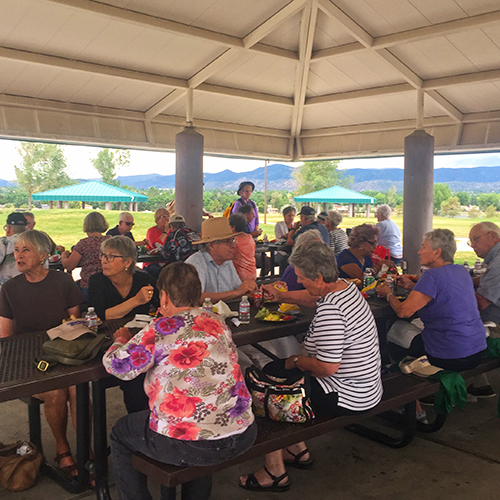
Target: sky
79,160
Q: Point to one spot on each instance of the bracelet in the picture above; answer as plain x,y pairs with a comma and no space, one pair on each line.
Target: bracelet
387,297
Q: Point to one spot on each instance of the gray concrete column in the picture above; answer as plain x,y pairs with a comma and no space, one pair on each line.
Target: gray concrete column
136,206
59,204
107,206
351,210
66,205
367,210
418,194
131,206
189,176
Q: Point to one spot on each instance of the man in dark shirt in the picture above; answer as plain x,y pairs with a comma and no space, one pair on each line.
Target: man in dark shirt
124,228
307,222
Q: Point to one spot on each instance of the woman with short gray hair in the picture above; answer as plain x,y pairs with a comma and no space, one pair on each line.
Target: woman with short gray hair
343,355
390,234
452,336
338,237
118,290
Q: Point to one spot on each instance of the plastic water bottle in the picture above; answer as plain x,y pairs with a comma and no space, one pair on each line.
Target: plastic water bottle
91,318
477,266
207,305
244,310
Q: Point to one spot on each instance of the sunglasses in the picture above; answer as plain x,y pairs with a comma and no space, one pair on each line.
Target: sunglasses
372,243
129,224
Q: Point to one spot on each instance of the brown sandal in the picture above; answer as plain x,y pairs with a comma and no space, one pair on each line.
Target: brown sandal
69,470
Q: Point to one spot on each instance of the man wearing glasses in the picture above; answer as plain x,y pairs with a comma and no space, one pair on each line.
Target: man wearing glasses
484,238
124,228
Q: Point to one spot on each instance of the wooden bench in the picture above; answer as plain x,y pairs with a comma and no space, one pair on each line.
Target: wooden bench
399,390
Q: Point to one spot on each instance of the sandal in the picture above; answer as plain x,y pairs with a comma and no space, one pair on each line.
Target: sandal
253,485
296,462
69,470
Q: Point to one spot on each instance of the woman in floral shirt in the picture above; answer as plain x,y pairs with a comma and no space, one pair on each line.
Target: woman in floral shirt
200,409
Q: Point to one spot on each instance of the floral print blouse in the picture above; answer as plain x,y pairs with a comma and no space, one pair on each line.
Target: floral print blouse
195,386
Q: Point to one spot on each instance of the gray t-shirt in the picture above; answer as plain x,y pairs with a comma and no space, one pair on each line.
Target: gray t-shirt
489,286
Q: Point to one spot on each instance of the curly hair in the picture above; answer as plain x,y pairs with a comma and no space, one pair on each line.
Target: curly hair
362,233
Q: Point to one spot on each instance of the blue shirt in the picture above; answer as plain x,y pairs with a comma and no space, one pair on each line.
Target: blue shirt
347,257
116,232
452,325
489,286
314,225
214,278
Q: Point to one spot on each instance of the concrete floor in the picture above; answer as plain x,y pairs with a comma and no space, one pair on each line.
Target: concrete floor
460,462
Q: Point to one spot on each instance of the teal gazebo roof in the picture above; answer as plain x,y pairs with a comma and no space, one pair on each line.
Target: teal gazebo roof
335,194
90,191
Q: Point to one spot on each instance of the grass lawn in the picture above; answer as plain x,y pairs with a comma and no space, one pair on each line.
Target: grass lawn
66,226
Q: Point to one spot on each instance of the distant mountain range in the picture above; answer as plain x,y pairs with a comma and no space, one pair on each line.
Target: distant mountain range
280,177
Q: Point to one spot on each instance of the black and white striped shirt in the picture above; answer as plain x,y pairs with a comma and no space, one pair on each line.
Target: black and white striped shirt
343,331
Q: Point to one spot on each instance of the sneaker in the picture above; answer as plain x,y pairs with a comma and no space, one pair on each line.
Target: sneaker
481,392
422,417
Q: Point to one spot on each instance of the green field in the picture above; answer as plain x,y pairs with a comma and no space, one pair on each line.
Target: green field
66,226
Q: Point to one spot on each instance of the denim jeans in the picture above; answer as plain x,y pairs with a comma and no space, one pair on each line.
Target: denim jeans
131,434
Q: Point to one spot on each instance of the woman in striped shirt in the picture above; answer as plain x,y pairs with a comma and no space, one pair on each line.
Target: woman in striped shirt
343,354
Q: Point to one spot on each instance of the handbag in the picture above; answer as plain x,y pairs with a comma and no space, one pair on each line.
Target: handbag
19,465
280,399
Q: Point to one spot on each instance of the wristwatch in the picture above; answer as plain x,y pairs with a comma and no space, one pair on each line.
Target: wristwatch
295,360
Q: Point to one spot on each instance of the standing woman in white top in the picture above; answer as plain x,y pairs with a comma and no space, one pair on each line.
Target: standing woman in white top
343,355
390,234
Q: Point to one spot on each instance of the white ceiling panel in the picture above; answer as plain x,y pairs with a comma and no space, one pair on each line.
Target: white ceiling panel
133,60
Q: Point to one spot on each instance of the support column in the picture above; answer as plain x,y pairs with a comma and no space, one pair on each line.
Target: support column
119,206
59,204
131,206
367,210
107,206
136,206
418,194
51,205
189,176
351,209
66,205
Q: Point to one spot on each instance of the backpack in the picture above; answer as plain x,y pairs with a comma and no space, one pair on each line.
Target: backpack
227,212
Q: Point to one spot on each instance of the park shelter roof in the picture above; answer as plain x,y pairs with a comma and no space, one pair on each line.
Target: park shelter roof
335,194
90,191
278,80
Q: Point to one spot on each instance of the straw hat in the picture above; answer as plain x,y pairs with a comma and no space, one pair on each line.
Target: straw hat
214,229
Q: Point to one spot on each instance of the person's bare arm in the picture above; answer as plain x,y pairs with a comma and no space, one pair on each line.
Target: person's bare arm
6,327
247,287
318,369
482,302
143,296
299,297
353,271
414,302
74,311
68,261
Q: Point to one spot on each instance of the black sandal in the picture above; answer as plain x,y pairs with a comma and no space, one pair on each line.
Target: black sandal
297,463
253,485
69,470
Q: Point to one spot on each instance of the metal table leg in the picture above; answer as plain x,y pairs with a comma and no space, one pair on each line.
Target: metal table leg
100,441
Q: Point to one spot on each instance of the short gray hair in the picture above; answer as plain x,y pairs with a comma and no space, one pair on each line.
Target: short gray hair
443,239
315,258
384,211
124,215
38,239
335,217
489,226
203,247
124,246
310,218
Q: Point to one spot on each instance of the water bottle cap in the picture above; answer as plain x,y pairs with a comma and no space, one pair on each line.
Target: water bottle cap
90,310
244,297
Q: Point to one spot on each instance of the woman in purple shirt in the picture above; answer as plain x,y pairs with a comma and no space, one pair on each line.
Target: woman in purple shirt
453,336
244,192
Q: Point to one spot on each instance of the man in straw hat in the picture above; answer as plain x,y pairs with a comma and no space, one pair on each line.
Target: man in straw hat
219,279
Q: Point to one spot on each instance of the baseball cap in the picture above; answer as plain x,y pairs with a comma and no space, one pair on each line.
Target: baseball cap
177,218
307,211
16,219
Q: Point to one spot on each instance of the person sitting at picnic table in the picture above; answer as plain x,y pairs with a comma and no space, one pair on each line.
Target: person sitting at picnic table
30,217
185,424
307,222
453,335
214,262
244,257
322,216
121,288
281,230
343,355
156,237
179,243
353,261
390,234
124,228
248,213
15,225
86,253
245,190
338,237
39,299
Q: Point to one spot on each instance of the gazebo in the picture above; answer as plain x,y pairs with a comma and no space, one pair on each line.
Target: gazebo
337,194
91,191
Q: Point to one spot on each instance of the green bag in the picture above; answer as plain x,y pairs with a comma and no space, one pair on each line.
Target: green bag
72,352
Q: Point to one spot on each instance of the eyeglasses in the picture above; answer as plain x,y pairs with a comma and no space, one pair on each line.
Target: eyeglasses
5,227
372,243
474,240
110,257
227,241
